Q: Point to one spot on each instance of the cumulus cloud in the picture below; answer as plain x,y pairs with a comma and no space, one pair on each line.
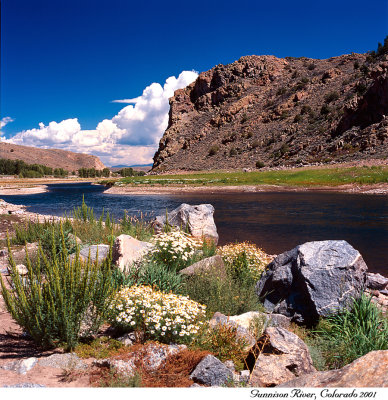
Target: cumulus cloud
130,137
6,120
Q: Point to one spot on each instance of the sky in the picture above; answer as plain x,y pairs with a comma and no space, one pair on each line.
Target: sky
95,76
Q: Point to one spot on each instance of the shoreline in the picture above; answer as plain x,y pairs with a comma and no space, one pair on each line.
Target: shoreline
378,188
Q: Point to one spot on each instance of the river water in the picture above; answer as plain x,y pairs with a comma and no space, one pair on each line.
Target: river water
275,221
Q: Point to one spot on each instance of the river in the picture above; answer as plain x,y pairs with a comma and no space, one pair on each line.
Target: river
275,221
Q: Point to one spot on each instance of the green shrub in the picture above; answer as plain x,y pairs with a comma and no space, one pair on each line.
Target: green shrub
213,150
223,342
332,96
232,152
44,233
298,118
231,294
152,274
260,164
102,347
58,300
325,110
255,144
353,333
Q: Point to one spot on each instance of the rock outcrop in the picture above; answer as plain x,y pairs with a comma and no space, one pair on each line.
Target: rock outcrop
370,370
263,110
312,280
197,219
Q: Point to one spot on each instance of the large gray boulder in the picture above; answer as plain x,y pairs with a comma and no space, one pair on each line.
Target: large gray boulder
198,219
211,372
127,250
370,370
282,356
313,279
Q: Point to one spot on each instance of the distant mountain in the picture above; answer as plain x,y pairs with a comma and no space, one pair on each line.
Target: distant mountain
53,158
268,111
131,166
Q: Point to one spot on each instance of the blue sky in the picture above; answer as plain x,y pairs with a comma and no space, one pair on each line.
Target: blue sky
68,60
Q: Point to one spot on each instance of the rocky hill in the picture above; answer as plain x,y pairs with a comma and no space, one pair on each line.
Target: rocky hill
53,158
266,111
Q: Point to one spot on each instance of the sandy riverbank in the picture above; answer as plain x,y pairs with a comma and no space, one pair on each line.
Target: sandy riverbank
380,188
20,190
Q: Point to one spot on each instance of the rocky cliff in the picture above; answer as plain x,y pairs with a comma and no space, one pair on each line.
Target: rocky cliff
53,158
265,111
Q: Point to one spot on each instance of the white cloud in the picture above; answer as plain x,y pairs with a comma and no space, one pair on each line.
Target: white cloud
130,137
4,121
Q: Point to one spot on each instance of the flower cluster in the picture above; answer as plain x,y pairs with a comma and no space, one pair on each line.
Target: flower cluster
174,249
164,317
256,258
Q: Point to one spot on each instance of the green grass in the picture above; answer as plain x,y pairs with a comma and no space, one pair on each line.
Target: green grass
295,177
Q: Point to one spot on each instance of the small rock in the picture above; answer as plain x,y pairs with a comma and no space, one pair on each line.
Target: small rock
25,385
103,251
21,366
245,375
128,250
230,364
129,338
384,292
376,281
22,269
212,372
3,253
247,319
213,265
63,361
74,239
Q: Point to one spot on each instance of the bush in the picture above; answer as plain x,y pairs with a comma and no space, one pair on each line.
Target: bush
332,96
260,164
298,118
213,150
353,333
58,299
255,144
232,152
325,110
152,274
174,249
223,342
161,316
236,255
231,294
